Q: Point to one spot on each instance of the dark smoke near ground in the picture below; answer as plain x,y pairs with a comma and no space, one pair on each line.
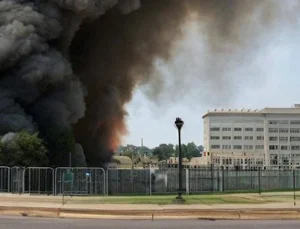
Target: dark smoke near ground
74,64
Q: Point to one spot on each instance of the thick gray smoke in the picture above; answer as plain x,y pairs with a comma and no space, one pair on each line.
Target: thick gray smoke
37,85
75,63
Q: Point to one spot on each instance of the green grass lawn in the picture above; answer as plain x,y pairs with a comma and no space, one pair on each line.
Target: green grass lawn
163,200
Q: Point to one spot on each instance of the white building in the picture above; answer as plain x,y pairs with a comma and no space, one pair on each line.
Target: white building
253,138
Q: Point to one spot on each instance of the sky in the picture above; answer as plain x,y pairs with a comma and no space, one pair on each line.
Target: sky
270,78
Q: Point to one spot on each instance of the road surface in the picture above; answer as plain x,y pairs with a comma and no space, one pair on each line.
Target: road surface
43,223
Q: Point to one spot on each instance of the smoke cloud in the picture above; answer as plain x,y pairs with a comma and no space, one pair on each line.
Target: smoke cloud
76,63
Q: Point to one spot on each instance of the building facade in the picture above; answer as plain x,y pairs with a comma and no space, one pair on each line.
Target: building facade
268,138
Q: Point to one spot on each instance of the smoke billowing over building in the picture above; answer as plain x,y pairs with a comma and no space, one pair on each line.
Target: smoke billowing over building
72,65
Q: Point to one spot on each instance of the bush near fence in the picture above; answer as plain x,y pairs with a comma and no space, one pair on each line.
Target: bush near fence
97,181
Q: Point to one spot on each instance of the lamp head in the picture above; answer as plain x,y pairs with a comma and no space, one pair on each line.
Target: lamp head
179,123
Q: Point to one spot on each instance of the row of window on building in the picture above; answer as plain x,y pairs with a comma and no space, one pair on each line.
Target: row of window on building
236,137
229,161
236,129
237,147
271,138
258,147
249,129
292,122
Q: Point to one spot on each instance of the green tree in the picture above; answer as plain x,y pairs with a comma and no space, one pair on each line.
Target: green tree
190,150
145,150
24,149
164,151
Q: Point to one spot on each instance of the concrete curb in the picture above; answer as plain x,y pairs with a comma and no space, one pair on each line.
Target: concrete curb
215,214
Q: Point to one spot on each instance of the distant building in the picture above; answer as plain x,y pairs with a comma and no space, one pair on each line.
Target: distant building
172,162
121,162
268,138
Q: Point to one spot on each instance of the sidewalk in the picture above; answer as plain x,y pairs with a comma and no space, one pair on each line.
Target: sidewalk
51,206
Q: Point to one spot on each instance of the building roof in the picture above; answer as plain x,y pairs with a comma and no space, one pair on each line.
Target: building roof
292,110
121,160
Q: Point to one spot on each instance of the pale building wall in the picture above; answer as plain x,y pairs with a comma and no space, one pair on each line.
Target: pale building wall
271,133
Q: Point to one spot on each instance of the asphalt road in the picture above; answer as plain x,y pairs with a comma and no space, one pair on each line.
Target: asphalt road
42,223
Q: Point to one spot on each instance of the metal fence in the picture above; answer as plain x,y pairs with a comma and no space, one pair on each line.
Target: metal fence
4,179
38,180
166,180
97,181
17,180
128,181
79,181
203,180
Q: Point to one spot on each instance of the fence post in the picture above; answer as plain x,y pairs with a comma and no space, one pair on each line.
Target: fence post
187,181
223,180
29,179
294,185
9,178
150,185
23,180
55,182
107,171
104,181
259,180
212,176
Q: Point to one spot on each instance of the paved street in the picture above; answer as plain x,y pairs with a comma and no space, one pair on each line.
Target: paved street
42,223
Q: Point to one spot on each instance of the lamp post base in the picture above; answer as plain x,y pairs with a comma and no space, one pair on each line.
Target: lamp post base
179,200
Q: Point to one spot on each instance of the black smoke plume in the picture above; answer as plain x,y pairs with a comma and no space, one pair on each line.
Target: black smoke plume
75,63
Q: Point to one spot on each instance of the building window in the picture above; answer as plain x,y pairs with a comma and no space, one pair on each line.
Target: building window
295,122
259,129
295,147
226,137
283,122
237,137
283,139
260,137
272,122
283,130
249,129
295,130
215,147
273,147
226,146
293,139
273,138
214,129
273,130
248,146
214,137
237,147
248,137
237,129
226,129
284,147
259,147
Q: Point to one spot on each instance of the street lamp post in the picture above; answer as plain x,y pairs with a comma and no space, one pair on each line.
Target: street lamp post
179,123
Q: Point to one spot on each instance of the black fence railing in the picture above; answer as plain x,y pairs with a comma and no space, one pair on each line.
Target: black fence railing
97,181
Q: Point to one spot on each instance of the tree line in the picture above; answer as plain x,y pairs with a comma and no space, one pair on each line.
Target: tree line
30,149
162,152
